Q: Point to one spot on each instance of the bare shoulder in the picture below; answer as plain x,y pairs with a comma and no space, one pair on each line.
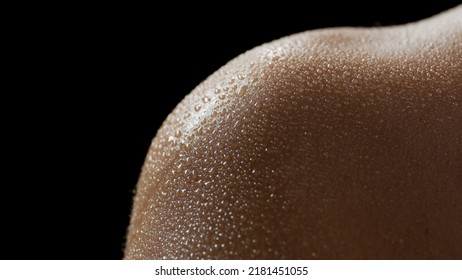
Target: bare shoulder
331,143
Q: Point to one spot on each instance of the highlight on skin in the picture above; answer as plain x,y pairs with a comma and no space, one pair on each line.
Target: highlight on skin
341,143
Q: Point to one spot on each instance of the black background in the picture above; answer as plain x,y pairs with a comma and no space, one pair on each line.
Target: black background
96,84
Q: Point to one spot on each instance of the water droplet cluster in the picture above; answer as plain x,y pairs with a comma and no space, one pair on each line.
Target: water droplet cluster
283,152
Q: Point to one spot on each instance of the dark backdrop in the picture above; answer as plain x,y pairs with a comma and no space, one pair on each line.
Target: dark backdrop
98,83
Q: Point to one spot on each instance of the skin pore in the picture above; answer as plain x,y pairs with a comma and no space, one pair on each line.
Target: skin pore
341,143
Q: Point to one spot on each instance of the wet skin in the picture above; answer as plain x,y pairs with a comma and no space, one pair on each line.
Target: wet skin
341,143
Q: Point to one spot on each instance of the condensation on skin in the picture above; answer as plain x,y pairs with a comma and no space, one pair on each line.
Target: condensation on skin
339,143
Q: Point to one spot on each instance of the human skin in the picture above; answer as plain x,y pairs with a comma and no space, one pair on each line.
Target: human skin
341,143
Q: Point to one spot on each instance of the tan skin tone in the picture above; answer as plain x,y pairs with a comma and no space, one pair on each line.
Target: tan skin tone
340,143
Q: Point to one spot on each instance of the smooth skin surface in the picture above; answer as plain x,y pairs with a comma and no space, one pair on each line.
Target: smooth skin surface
341,143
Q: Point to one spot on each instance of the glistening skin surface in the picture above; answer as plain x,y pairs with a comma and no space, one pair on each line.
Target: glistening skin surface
341,143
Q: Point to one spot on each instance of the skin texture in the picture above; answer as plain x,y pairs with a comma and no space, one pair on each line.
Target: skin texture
341,143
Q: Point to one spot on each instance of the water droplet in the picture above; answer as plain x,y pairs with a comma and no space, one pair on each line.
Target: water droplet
222,96
195,176
217,91
198,108
242,91
231,81
240,77
178,133
206,99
